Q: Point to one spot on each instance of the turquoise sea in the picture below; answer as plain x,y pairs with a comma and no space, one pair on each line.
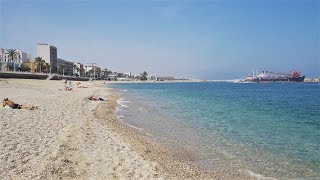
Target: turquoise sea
270,129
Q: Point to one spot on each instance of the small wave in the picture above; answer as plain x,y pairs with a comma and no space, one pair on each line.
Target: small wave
120,116
122,102
140,129
149,134
125,90
124,105
259,176
135,127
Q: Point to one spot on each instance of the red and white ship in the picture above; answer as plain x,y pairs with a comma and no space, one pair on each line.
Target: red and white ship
269,76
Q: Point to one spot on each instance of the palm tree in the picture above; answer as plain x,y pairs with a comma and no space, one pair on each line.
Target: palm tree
39,61
105,72
24,67
61,69
78,71
91,72
13,54
47,65
82,72
144,76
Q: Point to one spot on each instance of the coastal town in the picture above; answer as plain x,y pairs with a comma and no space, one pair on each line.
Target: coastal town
47,63
15,63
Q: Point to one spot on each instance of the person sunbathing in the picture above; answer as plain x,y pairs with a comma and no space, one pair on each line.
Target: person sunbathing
11,104
92,98
68,88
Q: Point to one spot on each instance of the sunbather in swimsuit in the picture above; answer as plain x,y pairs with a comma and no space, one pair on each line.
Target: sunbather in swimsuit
15,106
92,98
7,102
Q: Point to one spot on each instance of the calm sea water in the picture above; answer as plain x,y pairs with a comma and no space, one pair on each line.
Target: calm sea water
272,129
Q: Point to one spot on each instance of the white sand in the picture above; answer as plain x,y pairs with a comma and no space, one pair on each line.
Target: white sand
63,138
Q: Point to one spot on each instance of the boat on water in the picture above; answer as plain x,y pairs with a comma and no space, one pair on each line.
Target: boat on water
269,76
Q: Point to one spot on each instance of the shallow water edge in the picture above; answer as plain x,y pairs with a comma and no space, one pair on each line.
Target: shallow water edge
171,160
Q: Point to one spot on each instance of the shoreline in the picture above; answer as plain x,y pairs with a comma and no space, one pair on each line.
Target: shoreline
70,137
147,148
174,162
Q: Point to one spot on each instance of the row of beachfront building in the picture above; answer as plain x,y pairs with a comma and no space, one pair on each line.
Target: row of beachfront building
46,61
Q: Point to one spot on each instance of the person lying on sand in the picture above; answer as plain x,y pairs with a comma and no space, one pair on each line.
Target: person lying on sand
93,98
80,85
11,104
68,88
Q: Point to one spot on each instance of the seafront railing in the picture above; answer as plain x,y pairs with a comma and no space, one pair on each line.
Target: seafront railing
20,72
30,75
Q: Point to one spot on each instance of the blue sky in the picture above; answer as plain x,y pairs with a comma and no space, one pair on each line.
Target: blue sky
207,39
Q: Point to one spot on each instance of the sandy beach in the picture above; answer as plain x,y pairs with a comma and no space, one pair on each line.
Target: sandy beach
71,137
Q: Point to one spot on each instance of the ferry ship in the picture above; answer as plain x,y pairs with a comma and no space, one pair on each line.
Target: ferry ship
269,76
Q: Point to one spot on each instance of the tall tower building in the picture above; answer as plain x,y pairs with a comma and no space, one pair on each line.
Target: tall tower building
49,54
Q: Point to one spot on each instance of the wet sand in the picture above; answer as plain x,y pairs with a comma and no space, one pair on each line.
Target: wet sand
71,137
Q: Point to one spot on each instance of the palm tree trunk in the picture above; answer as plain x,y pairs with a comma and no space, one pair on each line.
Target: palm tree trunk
14,67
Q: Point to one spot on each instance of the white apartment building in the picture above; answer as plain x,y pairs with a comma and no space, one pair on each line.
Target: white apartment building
78,69
92,71
49,54
19,58
89,71
8,63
